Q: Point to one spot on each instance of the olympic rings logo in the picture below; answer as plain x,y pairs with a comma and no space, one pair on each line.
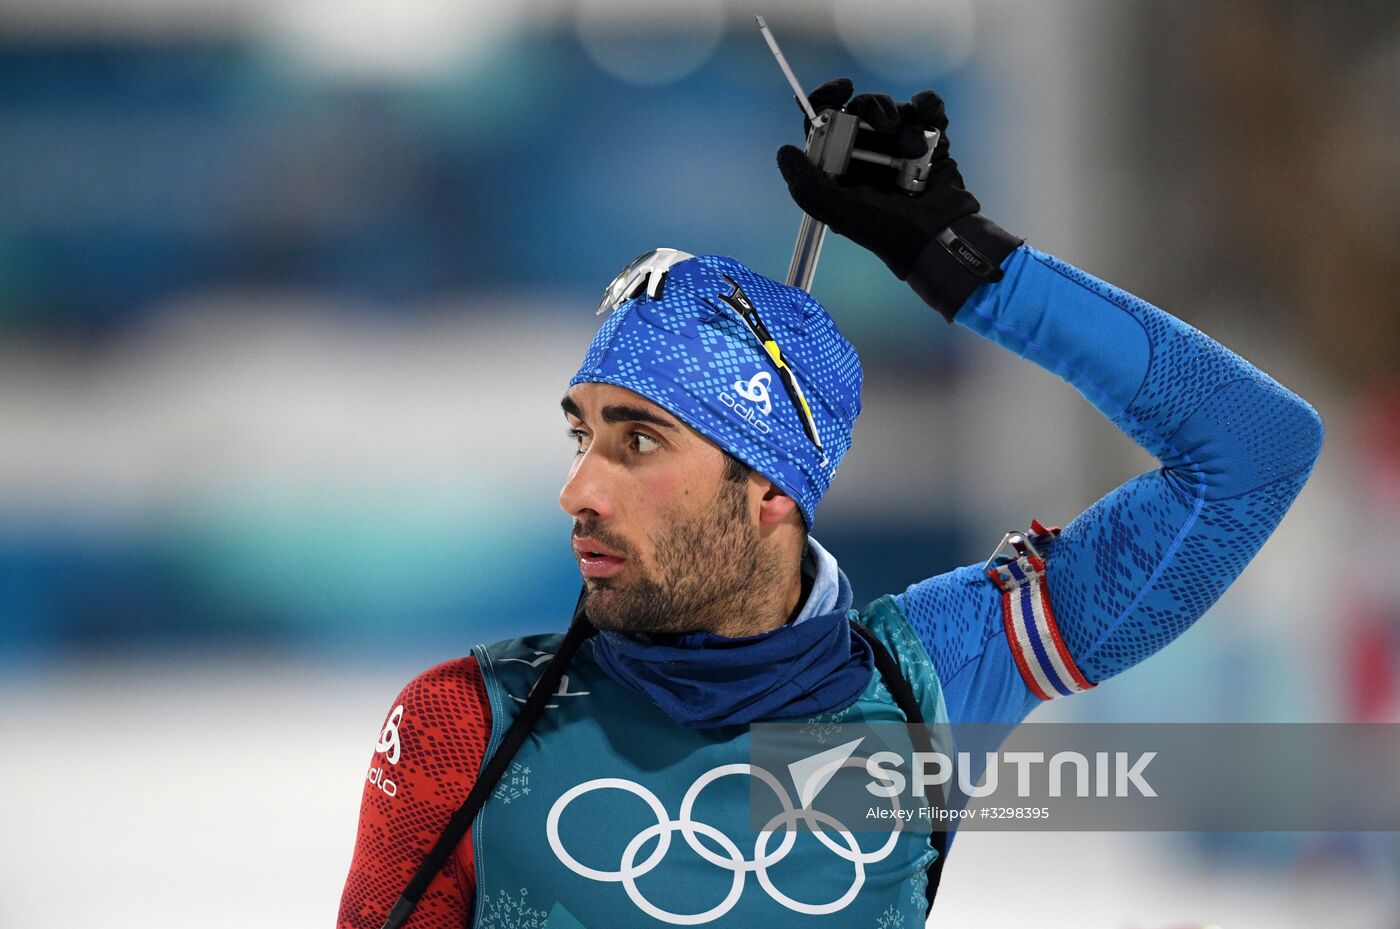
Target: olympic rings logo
629,870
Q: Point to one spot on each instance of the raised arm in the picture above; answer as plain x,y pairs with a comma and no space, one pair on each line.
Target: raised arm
1142,564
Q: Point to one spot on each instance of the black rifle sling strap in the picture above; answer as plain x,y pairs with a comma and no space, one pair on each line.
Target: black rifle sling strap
580,629
908,704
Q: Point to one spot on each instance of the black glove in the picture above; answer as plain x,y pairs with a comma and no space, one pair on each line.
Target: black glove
935,240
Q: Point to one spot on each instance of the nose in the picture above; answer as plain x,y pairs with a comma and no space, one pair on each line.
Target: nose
587,494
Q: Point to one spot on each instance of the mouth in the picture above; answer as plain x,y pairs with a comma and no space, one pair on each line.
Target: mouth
595,560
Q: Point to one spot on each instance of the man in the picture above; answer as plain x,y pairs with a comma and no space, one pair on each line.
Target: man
709,415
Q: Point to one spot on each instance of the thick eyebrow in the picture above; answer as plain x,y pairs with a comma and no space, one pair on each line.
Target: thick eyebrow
618,414
634,414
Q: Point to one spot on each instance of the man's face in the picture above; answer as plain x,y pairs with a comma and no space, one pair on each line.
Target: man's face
682,541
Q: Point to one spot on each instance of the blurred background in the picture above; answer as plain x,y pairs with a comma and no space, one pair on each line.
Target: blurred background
289,293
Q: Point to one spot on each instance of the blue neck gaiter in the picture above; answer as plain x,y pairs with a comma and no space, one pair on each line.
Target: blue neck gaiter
700,679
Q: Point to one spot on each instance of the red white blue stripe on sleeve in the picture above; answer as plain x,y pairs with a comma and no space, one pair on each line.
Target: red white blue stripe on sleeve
1031,631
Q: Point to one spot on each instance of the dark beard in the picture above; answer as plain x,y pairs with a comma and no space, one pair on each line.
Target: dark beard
705,571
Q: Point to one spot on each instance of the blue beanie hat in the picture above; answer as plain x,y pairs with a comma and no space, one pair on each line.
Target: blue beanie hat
681,341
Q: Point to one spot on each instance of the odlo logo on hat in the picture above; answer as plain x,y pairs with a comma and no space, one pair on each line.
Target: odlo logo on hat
756,390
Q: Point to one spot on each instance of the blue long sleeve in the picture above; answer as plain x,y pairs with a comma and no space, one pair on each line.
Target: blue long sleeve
1137,568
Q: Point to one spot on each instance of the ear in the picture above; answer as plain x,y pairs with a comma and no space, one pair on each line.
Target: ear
776,506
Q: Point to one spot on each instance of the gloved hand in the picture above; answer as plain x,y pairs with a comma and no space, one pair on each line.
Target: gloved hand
935,240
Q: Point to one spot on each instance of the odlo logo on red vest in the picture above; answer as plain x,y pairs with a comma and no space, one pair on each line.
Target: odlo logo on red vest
388,746
389,736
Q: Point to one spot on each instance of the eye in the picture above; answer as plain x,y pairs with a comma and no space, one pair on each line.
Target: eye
578,435
643,437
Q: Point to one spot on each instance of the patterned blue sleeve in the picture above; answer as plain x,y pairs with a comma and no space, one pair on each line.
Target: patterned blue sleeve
1141,565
